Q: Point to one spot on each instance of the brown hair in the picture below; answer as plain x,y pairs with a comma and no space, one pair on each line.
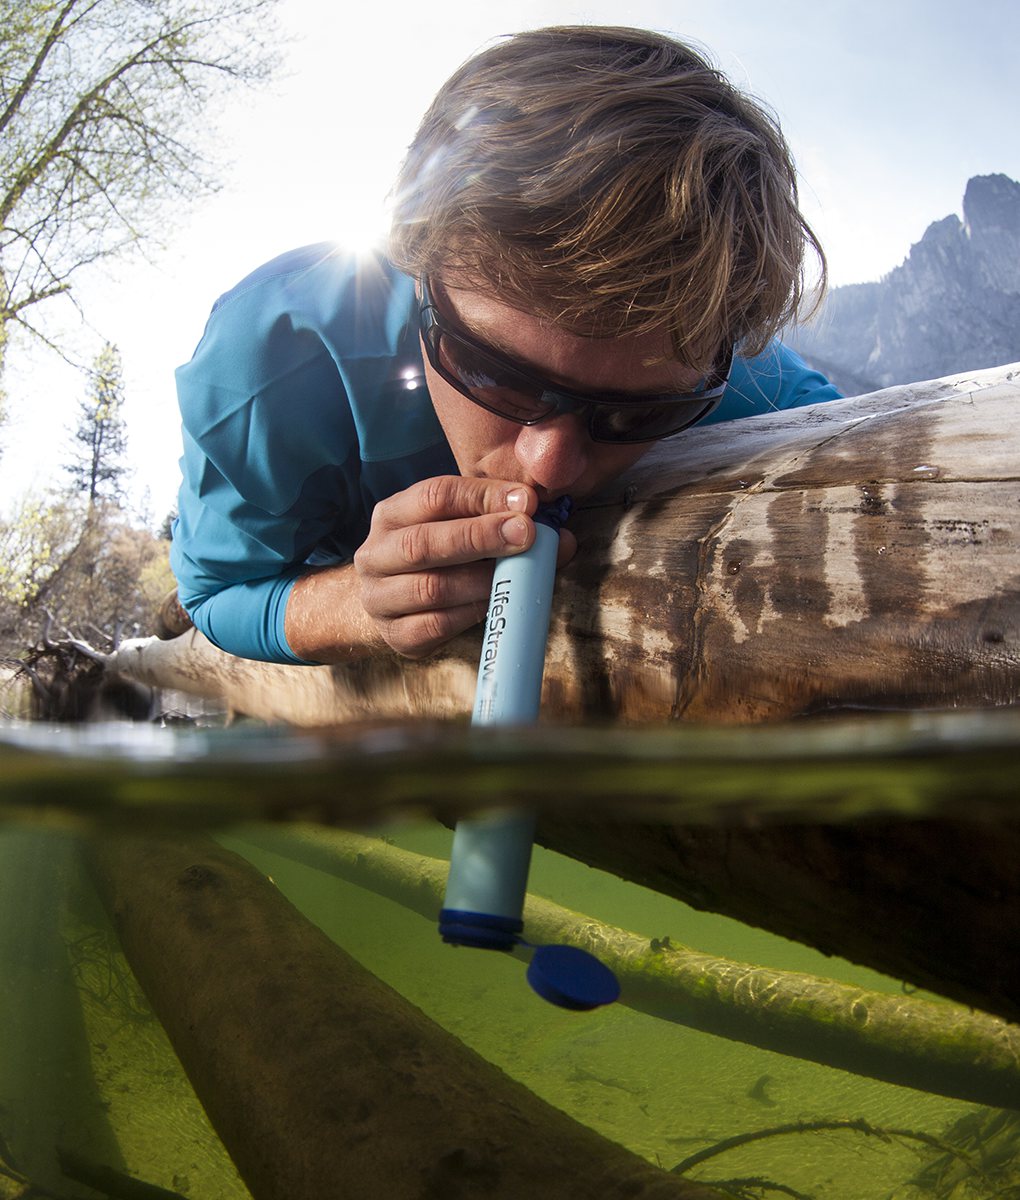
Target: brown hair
611,180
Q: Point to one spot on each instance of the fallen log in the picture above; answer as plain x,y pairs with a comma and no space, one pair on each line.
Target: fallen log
864,552
320,1080
942,1048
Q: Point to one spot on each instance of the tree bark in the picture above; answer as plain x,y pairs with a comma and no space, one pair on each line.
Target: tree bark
320,1080
940,1048
861,553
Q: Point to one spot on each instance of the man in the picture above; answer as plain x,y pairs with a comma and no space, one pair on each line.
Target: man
593,231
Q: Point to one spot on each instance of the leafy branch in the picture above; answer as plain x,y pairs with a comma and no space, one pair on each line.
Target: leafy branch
102,121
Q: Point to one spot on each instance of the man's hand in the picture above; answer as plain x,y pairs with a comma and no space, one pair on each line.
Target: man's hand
425,569
423,574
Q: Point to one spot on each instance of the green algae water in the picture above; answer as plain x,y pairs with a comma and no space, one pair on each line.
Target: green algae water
93,1100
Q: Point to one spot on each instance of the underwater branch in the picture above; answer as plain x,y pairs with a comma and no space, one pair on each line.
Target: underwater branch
937,1047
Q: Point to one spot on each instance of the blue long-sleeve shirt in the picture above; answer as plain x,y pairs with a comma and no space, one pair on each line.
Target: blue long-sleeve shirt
303,406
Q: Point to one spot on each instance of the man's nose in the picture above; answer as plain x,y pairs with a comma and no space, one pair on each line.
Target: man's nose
555,453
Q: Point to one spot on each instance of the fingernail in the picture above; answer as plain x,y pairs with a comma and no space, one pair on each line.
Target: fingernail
518,498
514,532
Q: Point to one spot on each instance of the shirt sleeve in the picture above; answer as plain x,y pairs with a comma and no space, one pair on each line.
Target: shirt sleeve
774,380
270,469
248,618
233,564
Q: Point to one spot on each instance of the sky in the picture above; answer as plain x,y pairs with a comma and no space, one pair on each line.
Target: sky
890,106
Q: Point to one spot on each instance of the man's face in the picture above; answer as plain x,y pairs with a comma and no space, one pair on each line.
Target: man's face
556,456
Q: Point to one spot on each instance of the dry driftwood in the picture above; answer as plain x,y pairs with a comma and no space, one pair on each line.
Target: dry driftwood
864,552
320,1080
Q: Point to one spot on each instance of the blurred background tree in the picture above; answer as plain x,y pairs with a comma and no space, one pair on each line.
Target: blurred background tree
79,559
71,572
98,462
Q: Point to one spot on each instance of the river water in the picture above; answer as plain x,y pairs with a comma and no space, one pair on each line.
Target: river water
90,1083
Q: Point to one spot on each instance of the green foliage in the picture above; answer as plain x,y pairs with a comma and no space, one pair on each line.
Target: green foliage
33,541
78,567
101,123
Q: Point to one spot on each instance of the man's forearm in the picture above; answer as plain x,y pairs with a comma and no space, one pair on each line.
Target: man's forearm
325,621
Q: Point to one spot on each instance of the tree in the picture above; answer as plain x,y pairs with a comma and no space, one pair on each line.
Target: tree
101,435
100,107
87,570
72,574
35,540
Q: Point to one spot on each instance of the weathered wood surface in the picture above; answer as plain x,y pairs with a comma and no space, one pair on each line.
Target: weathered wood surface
864,552
321,1081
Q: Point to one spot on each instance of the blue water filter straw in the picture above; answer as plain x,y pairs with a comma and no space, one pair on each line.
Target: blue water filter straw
491,854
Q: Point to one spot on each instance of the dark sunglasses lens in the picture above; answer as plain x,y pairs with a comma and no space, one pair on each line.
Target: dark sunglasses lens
497,385
494,384
647,422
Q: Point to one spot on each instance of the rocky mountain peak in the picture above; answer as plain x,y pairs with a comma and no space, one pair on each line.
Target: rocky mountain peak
952,305
992,203
991,214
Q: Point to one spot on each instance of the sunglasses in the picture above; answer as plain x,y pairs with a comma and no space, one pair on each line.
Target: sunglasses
498,384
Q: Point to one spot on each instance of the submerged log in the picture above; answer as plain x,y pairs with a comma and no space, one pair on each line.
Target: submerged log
864,552
935,903
321,1080
905,1040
